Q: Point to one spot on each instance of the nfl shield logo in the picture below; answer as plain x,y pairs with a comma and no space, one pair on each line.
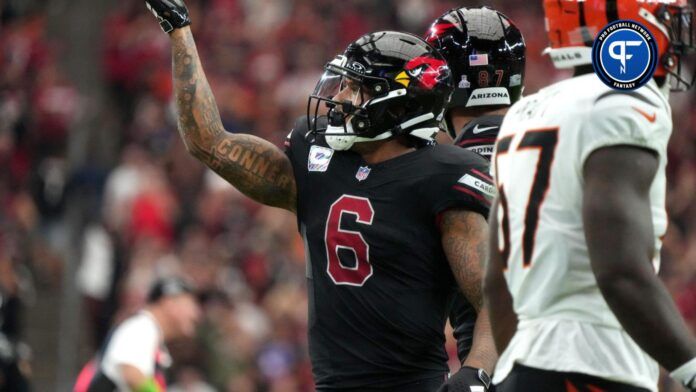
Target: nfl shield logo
362,173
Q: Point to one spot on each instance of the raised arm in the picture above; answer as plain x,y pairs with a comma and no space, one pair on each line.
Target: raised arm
256,167
621,243
465,242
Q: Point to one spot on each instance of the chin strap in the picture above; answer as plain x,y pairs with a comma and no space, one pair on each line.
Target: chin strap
427,134
381,136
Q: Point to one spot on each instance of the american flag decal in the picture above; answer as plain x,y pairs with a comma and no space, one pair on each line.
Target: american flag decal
478,59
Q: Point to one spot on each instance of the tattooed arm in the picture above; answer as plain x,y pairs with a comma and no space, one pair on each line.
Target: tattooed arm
256,167
465,241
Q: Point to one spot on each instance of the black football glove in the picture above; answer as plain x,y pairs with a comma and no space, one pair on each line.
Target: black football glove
171,14
467,379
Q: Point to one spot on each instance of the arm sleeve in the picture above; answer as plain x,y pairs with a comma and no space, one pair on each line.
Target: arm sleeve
463,320
468,187
623,119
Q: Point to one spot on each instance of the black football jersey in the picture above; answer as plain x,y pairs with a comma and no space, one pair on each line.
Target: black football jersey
379,284
479,136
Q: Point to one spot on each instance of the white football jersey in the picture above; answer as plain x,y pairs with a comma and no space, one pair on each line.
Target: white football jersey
564,323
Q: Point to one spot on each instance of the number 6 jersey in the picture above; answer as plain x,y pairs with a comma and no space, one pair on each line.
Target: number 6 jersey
379,284
564,323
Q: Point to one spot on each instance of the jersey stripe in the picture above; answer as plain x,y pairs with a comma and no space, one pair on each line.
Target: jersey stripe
660,95
632,94
587,38
482,175
471,193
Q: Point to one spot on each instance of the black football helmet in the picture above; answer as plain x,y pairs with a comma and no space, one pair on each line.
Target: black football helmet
486,53
401,86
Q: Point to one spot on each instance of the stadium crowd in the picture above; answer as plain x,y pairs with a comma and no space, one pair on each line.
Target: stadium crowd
161,213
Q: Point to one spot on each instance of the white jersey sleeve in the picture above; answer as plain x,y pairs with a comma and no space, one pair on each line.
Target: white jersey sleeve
625,118
135,342
643,119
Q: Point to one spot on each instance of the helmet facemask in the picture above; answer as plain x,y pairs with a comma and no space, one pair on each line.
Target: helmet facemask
679,23
348,121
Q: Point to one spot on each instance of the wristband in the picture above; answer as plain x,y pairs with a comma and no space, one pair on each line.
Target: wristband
686,374
484,378
481,375
149,386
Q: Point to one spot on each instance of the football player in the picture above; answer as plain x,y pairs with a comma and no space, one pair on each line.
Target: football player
576,230
135,357
387,227
486,53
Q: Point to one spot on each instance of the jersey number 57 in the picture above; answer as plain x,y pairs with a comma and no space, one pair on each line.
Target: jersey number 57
545,141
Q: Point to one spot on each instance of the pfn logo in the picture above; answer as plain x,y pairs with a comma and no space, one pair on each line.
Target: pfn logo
621,55
624,55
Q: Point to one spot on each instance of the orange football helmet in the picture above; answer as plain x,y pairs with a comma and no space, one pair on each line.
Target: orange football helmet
572,26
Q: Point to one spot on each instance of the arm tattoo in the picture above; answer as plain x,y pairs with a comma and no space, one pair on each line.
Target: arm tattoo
257,168
254,166
199,120
465,242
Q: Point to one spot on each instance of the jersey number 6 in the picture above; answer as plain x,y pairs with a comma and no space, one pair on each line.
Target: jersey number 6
545,141
337,239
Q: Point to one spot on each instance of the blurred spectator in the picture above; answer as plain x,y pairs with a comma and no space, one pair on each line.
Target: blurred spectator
190,380
14,353
135,355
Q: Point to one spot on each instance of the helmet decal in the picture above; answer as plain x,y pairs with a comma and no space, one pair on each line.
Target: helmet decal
356,67
403,79
428,71
437,30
